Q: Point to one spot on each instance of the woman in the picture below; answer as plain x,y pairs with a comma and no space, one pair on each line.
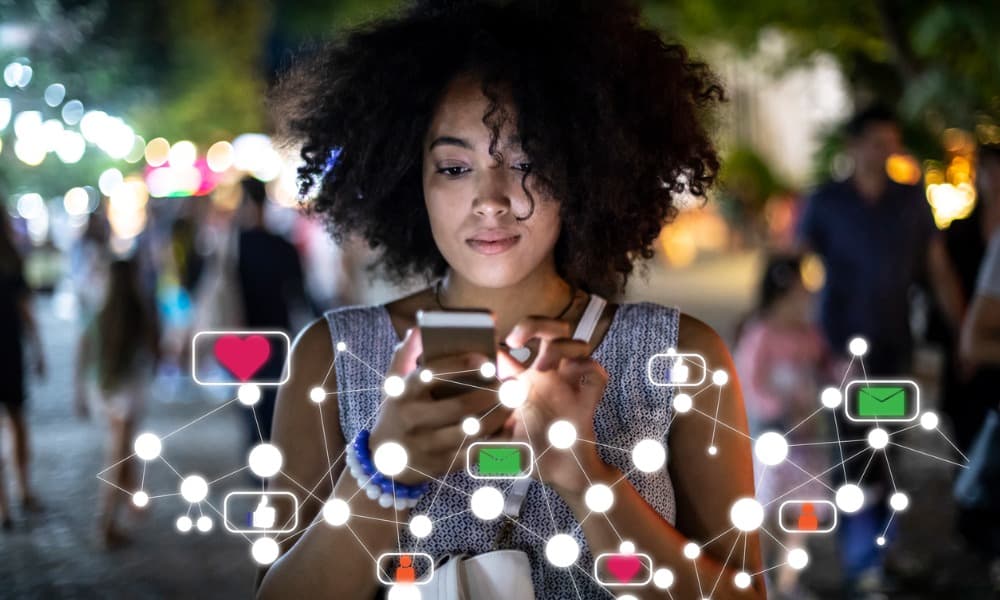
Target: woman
519,156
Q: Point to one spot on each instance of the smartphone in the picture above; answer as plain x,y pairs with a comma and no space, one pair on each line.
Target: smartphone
448,332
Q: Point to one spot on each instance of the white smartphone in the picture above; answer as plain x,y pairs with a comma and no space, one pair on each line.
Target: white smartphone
449,332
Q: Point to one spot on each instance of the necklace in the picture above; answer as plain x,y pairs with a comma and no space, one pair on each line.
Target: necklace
562,313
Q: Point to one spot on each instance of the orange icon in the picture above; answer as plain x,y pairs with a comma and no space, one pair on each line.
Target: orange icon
807,518
405,573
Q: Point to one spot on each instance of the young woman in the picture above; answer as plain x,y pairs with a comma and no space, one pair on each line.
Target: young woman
519,156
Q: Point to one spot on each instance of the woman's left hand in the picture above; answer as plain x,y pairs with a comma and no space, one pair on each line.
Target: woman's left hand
563,384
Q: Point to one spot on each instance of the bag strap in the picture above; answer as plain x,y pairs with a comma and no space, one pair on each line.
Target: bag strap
584,331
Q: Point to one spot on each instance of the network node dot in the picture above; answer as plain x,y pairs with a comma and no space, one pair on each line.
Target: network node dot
858,346
742,580
341,346
626,548
470,426
683,403
248,394
899,501
649,456
426,375
746,514
140,499
194,488
880,540
712,450
798,559
317,394
626,597
663,578
487,503
878,438
204,524
394,386
264,551
929,421
403,591
691,550
850,498
562,434
184,524
831,397
720,377
421,526
513,393
265,460
599,498
336,512
148,446
771,448
562,550
390,459
488,370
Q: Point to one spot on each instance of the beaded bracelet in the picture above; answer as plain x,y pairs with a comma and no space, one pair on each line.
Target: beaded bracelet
376,485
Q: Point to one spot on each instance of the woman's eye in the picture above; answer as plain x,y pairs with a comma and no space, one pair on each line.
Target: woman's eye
452,171
523,166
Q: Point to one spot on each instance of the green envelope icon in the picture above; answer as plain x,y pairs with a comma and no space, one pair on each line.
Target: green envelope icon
502,462
882,401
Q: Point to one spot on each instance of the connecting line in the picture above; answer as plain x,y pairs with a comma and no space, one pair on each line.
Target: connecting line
183,427
399,541
465,384
338,393
715,419
697,577
218,479
847,371
440,481
811,476
725,564
329,371
743,565
726,425
115,485
545,494
179,476
802,422
952,444
142,479
929,455
326,444
840,446
805,483
830,443
223,517
889,467
867,464
776,540
907,428
437,492
362,361
888,522
600,445
760,479
164,495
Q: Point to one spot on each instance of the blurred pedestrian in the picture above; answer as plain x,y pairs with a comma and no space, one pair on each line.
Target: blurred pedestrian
877,239
783,361
17,322
116,359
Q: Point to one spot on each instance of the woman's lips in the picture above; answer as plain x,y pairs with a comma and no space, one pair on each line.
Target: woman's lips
493,247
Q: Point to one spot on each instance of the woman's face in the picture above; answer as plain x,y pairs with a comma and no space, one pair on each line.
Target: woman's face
474,201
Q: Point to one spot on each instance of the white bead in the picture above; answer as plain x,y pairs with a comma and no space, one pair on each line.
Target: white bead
385,500
355,472
401,503
372,491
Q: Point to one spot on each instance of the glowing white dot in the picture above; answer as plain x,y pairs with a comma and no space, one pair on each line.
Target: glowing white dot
487,503
562,434
341,346
488,370
204,524
880,540
720,377
421,526
878,438
626,597
184,524
771,448
264,551
683,403
248,394
663,578
148,446
513,393
691,550
599,498
470,426
746,514
899,501
426,375
194,488
403,591
265,460
798,559
394,385
140,499
626,548
929,420
336,512
831,397
317,394
858,346
649,456
850,498
742,580
390,459
562,550
712,450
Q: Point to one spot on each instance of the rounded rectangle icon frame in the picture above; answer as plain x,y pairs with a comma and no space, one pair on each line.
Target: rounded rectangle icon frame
649,570
848,400
674,355
525,475
225,512
426,578
286,372
781,521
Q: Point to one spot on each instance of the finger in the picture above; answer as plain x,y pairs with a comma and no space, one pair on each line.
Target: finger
553,351
449,411
584,373
536,327
404,357
508,366
441,371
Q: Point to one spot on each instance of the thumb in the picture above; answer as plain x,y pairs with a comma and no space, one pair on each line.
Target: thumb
404,358
507,365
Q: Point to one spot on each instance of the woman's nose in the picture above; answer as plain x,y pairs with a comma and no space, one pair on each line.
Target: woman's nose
493,197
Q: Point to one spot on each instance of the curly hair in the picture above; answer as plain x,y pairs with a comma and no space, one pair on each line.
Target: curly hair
612,117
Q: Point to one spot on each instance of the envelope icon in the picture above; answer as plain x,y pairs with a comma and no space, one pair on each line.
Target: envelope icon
503,462
888,401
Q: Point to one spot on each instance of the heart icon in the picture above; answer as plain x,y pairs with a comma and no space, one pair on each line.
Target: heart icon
521,354
623,567
242,357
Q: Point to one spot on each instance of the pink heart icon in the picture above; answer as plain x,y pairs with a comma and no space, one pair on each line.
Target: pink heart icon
623,567
242,357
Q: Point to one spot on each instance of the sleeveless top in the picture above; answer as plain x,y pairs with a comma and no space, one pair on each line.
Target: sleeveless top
631,410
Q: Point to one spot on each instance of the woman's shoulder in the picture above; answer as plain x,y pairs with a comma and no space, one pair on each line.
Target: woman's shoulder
689,333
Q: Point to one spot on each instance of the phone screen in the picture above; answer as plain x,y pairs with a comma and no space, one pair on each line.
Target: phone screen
445,333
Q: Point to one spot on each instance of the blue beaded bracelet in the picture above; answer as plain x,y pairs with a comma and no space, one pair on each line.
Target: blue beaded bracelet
376,485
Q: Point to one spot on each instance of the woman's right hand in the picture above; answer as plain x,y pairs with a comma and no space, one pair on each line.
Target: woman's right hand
430,429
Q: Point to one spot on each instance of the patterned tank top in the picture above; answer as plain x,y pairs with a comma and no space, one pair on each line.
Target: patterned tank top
632,409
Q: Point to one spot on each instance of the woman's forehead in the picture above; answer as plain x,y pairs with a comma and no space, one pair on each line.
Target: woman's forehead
459,116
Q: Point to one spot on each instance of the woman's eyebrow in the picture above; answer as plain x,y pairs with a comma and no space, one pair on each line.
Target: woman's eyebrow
447,140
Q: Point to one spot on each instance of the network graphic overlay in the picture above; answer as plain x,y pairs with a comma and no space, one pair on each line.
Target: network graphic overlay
887,407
